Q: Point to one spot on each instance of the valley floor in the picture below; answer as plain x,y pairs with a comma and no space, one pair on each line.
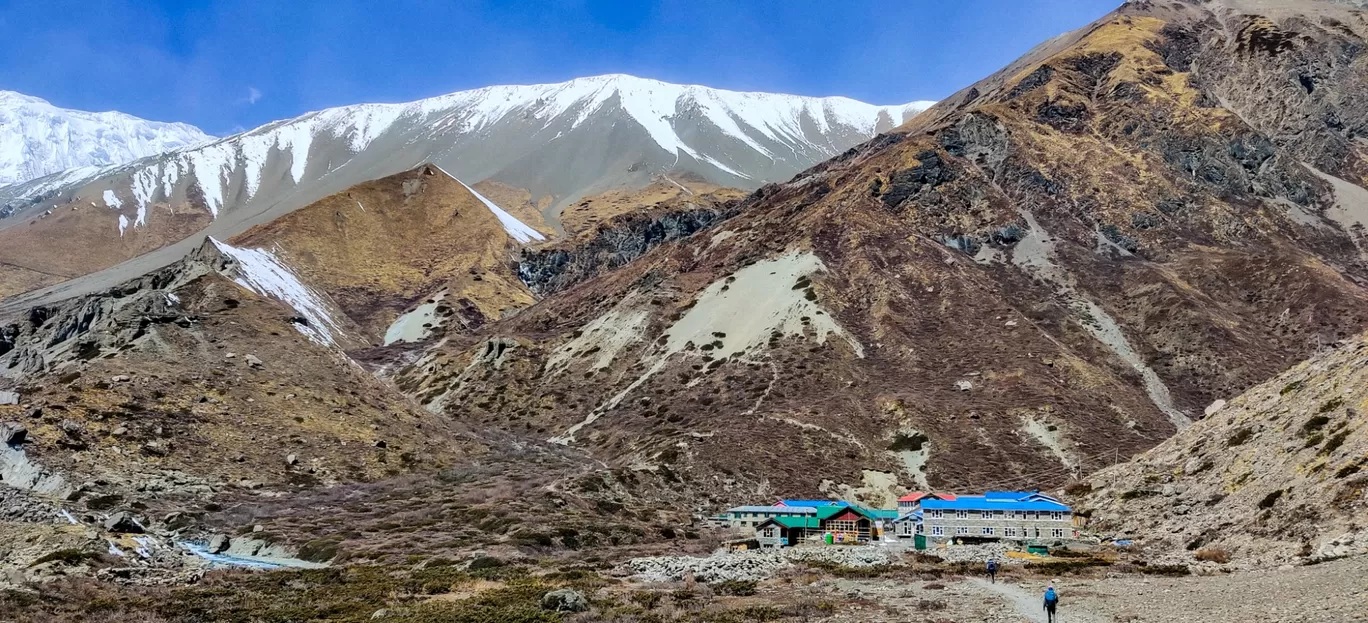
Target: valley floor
1332,592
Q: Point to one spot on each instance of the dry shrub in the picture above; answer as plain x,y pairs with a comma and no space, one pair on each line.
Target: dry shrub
1213,554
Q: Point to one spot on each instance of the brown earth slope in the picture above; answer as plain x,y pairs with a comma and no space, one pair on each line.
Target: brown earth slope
1068,261
383,246
1280,474
185,376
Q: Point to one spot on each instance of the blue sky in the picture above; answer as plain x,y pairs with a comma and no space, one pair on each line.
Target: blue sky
226,65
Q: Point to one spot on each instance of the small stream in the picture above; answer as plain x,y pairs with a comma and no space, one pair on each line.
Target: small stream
244,562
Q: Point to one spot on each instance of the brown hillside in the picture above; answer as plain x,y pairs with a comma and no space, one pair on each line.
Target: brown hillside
380,247
1091,240
1277,475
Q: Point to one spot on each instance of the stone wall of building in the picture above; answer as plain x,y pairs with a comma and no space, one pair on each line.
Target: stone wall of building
1003,527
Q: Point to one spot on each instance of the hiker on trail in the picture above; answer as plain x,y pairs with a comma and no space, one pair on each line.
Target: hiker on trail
1051,602
992,570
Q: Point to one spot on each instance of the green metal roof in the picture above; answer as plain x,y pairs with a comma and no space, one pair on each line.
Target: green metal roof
827,512
795,522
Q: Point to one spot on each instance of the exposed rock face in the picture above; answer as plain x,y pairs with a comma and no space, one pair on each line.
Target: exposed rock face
1277,475
615,243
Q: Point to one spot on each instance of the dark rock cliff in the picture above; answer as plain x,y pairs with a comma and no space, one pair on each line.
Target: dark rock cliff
614,244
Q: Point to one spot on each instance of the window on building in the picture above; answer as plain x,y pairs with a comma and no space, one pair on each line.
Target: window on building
961,514
920,529
1057,516
987,531
962,530
937,531
1009,532
937,514
841,526
1057,533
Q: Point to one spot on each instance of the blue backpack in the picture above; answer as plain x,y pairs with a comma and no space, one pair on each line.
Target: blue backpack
992,566
1050,597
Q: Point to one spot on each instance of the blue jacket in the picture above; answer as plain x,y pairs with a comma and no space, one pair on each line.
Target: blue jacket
1051,598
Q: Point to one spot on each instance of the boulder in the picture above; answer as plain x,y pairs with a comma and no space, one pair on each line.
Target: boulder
291,459
219,543
13,433
9,398
964,386
253,361
123,522
564,600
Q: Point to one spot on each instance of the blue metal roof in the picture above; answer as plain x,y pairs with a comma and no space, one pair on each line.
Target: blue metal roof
813,503
999,501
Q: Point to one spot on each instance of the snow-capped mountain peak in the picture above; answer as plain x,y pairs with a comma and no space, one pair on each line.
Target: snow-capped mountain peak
558,142
38,139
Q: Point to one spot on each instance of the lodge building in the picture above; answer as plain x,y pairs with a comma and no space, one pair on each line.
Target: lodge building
999,515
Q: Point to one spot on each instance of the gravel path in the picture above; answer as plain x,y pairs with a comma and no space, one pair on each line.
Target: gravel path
1332,592
1031,605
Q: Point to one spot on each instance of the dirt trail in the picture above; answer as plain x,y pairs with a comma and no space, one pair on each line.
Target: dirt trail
1030,605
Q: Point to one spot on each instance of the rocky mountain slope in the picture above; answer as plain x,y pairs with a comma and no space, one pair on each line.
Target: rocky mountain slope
1068,261
1059,267
38,139
558,142
1277,475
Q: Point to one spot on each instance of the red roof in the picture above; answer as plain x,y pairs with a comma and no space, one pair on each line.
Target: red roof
917,496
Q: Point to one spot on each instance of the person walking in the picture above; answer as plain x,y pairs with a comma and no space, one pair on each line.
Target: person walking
992,570
1051,602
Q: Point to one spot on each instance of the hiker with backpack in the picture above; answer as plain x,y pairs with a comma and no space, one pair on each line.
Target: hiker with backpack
992,570
1051,602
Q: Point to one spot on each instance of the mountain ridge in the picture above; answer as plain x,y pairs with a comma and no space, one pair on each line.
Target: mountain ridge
557,141
38,139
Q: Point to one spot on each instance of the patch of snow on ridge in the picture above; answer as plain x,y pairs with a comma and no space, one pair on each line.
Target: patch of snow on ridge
261,272
123,224
519,230
144,187
111,200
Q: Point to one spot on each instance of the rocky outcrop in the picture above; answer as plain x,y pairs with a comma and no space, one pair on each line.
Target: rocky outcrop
53,337
625,238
